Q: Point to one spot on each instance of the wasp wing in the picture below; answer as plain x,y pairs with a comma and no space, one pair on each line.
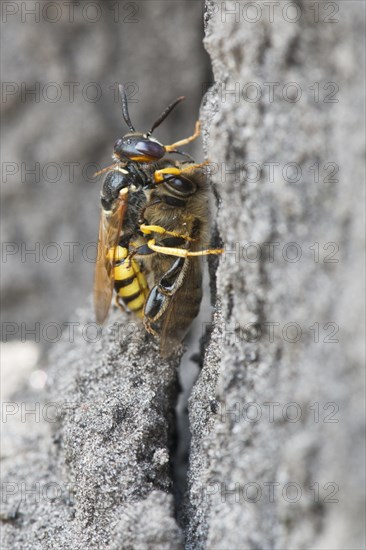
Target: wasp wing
110,226
183,307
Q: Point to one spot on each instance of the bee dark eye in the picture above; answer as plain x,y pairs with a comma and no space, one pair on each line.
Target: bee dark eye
183,186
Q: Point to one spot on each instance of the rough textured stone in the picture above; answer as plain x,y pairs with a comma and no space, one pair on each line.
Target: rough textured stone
243,365
110,449
99,452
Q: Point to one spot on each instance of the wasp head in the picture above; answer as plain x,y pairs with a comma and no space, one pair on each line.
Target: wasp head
138,147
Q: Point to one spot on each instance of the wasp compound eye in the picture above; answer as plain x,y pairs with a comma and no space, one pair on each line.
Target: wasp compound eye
151,149
118,144
138,148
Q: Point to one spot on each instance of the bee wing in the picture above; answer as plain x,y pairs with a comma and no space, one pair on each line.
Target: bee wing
110,226
183,308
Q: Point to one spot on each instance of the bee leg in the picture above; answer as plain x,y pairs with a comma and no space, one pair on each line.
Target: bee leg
172,280
155,306
160,295
197,132
149,328
148,229
182,252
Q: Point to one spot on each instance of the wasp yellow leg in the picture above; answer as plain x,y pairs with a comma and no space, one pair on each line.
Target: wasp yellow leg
148,229
197,132
192,167
159,175
182,252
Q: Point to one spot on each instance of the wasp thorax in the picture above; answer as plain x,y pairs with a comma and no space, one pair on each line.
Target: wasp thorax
113,183
138,147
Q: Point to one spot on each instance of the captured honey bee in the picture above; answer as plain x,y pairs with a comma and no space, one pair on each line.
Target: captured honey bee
175,232
154,223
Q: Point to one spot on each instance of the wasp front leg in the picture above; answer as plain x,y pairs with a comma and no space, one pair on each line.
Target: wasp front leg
164,174
182,252
174,251
149,229
197,132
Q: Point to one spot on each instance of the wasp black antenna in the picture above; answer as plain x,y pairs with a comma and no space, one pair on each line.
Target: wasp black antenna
164,114
126,116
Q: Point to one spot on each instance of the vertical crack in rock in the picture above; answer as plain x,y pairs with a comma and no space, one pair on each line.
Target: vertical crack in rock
187,375
189,369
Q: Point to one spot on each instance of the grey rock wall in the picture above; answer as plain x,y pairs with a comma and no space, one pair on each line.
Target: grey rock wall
277,454
254,368
92,467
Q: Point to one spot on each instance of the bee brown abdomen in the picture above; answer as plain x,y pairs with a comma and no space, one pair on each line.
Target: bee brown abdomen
178,325
170,311
129,283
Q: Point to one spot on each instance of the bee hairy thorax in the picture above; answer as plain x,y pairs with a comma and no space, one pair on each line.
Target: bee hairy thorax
186,214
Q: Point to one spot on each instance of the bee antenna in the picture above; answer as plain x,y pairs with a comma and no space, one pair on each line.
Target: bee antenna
126,116
164,114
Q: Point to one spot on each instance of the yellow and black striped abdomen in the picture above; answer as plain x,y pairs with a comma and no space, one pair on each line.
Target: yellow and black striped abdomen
129,282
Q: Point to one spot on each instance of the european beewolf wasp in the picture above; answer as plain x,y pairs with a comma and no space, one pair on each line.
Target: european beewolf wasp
153,227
